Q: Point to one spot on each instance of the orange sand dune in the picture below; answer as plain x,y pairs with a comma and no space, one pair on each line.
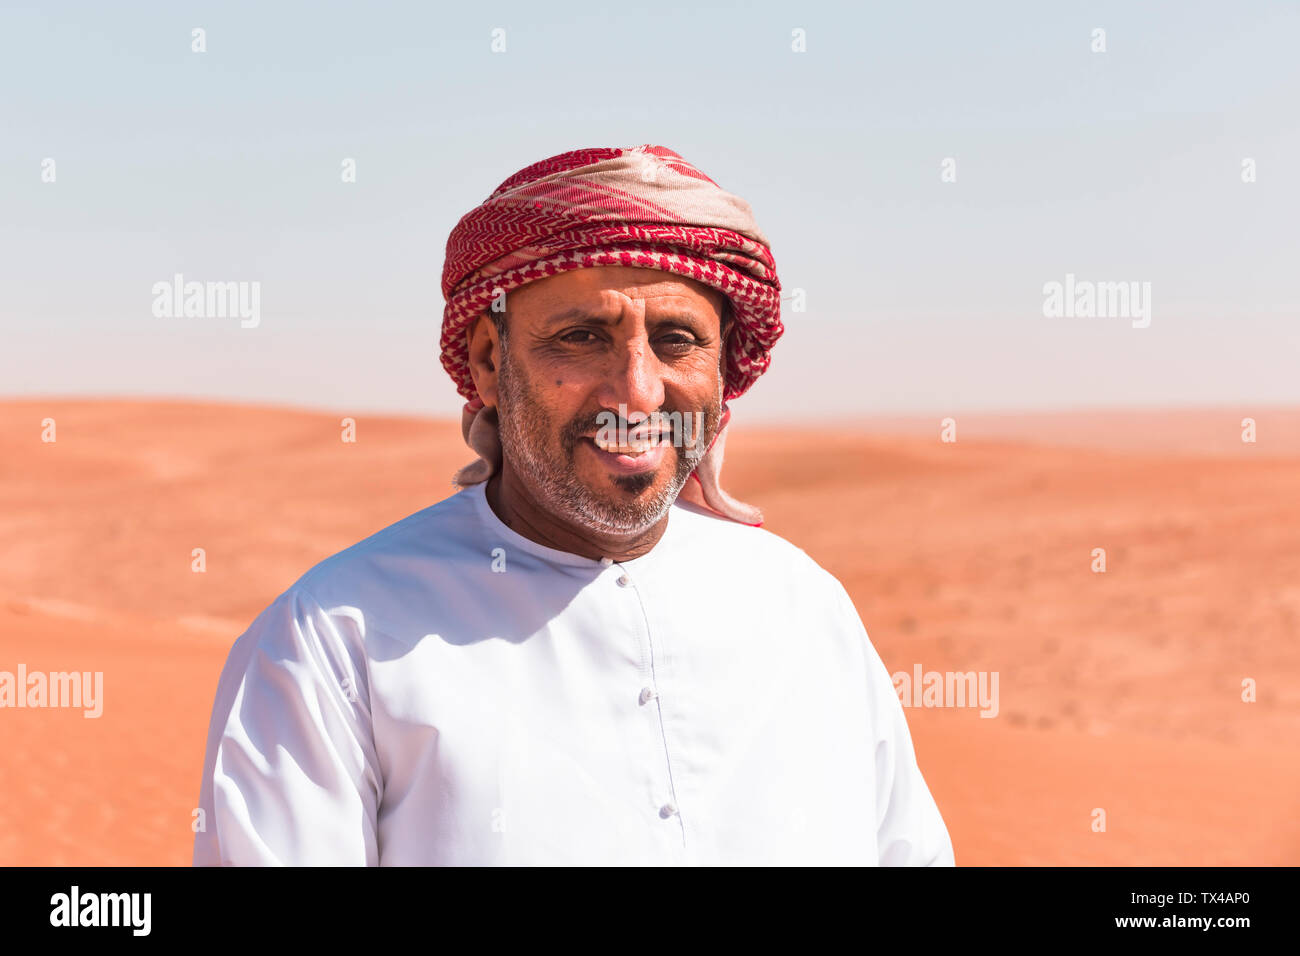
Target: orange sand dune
1118,691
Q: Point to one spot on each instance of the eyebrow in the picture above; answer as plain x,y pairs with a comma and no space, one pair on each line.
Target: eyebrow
580,314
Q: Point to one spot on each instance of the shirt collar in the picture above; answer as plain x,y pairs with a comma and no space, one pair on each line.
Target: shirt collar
497,528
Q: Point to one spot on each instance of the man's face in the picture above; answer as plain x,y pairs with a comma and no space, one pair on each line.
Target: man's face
587,347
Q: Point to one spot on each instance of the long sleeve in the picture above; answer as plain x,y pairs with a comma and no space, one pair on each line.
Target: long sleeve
290,773
909,828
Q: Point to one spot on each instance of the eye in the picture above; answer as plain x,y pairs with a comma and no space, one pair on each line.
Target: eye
569,337
678,340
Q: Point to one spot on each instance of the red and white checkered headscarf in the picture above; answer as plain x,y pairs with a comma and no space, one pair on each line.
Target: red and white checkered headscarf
643,206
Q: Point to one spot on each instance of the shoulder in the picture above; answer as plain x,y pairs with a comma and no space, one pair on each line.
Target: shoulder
408,557
752,550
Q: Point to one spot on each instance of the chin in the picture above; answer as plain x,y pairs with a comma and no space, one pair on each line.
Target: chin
617,507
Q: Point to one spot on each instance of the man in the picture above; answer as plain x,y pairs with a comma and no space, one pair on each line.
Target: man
591,653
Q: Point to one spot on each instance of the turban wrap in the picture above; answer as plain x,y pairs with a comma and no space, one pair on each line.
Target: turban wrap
644,207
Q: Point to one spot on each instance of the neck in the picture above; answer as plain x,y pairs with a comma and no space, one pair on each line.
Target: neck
520,513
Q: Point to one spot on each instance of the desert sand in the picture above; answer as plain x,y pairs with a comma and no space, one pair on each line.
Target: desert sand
1119,691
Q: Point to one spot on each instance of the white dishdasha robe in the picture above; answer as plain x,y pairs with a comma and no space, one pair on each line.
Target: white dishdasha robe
448,692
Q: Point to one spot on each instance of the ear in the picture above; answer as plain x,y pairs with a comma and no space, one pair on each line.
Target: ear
484,358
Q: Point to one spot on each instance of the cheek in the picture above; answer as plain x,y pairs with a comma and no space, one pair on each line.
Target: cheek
537,391
699,372
565,379
563,393
698,387
554,408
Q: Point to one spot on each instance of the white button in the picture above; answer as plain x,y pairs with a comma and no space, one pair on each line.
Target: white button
667,810
648,694
606,562
624,580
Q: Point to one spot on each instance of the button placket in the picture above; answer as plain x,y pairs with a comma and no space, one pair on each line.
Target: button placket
668,810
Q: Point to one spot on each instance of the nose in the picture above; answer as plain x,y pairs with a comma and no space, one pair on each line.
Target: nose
635,380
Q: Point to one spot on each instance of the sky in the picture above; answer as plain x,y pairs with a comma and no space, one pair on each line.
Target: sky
922,170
